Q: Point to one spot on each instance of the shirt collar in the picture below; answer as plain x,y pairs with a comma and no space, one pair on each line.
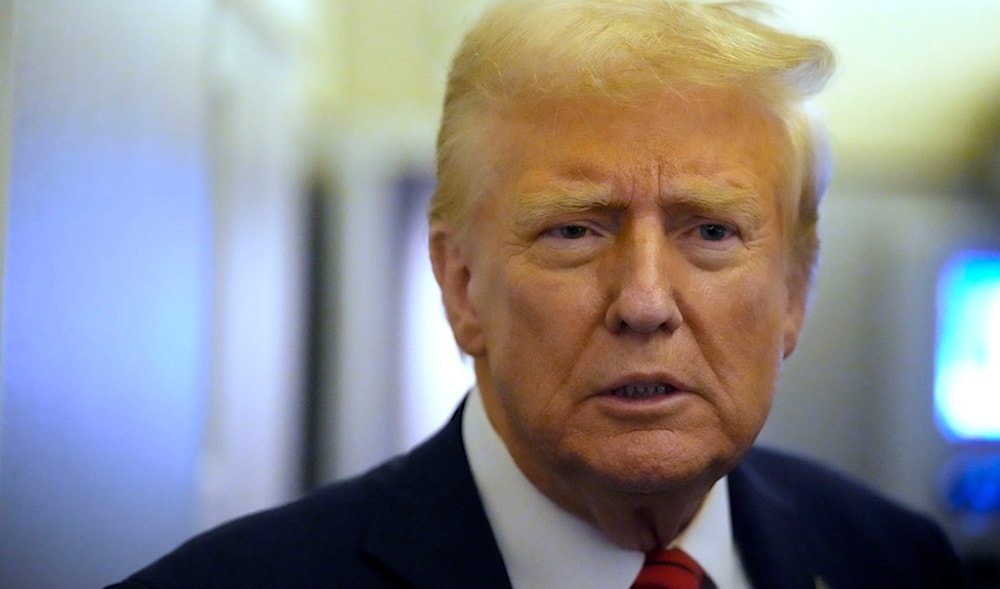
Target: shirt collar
544,546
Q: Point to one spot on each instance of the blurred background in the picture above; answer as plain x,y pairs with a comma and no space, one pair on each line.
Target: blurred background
215,290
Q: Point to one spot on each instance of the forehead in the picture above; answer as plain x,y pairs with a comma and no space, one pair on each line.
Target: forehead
707,143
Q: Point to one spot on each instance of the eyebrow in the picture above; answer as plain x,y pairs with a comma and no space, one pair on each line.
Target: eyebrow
580,197
537,206
710,198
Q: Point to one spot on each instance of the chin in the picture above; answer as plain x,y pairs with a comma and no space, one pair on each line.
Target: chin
648,473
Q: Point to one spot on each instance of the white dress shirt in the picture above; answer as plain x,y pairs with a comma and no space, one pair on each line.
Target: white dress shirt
544,546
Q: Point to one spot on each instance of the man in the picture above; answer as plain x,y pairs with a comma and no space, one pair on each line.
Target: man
624,231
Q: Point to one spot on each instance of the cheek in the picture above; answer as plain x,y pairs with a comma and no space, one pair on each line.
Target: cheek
760,357
540,327
742,335
513,317
546,305
743,351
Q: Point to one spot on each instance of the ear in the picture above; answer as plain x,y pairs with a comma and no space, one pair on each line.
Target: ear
449,259
795,313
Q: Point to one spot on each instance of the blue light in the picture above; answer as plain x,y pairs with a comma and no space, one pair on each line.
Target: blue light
973,486
967,371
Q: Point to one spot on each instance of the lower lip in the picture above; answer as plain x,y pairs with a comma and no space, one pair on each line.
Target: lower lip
643,404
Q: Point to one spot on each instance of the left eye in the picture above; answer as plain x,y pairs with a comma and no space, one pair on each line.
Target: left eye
714,232
571,231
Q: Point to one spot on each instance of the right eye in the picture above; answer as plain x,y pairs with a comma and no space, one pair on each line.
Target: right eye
570,231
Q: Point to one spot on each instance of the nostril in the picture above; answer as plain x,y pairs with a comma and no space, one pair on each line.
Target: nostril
647,313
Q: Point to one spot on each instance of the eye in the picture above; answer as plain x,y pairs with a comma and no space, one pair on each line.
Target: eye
571,231
576,237
714,232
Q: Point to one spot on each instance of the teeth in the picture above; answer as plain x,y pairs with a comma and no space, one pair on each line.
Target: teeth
642,391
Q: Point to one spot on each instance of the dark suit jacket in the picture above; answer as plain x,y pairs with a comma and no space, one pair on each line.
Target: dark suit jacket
417,521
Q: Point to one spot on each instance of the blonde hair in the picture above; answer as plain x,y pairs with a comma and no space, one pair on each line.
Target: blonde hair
525,51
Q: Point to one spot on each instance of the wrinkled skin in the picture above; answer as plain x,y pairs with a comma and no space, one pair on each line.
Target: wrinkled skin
622,290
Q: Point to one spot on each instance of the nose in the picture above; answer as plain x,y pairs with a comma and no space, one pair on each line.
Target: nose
642,294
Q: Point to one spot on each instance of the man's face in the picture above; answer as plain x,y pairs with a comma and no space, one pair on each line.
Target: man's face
622,290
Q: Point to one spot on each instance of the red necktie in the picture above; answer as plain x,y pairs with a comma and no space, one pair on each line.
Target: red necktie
671,569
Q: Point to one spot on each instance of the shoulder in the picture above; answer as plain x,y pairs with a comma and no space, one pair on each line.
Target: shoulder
308,542
811,488
336,536
836,524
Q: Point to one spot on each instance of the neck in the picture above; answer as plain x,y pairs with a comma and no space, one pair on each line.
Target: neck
638,521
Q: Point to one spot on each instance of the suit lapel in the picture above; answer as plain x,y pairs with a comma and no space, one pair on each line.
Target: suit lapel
432,529
776,546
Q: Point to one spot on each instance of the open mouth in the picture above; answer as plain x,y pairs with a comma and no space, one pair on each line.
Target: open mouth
643,391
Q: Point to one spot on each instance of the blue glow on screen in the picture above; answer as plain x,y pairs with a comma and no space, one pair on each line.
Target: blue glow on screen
967,371
974,485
